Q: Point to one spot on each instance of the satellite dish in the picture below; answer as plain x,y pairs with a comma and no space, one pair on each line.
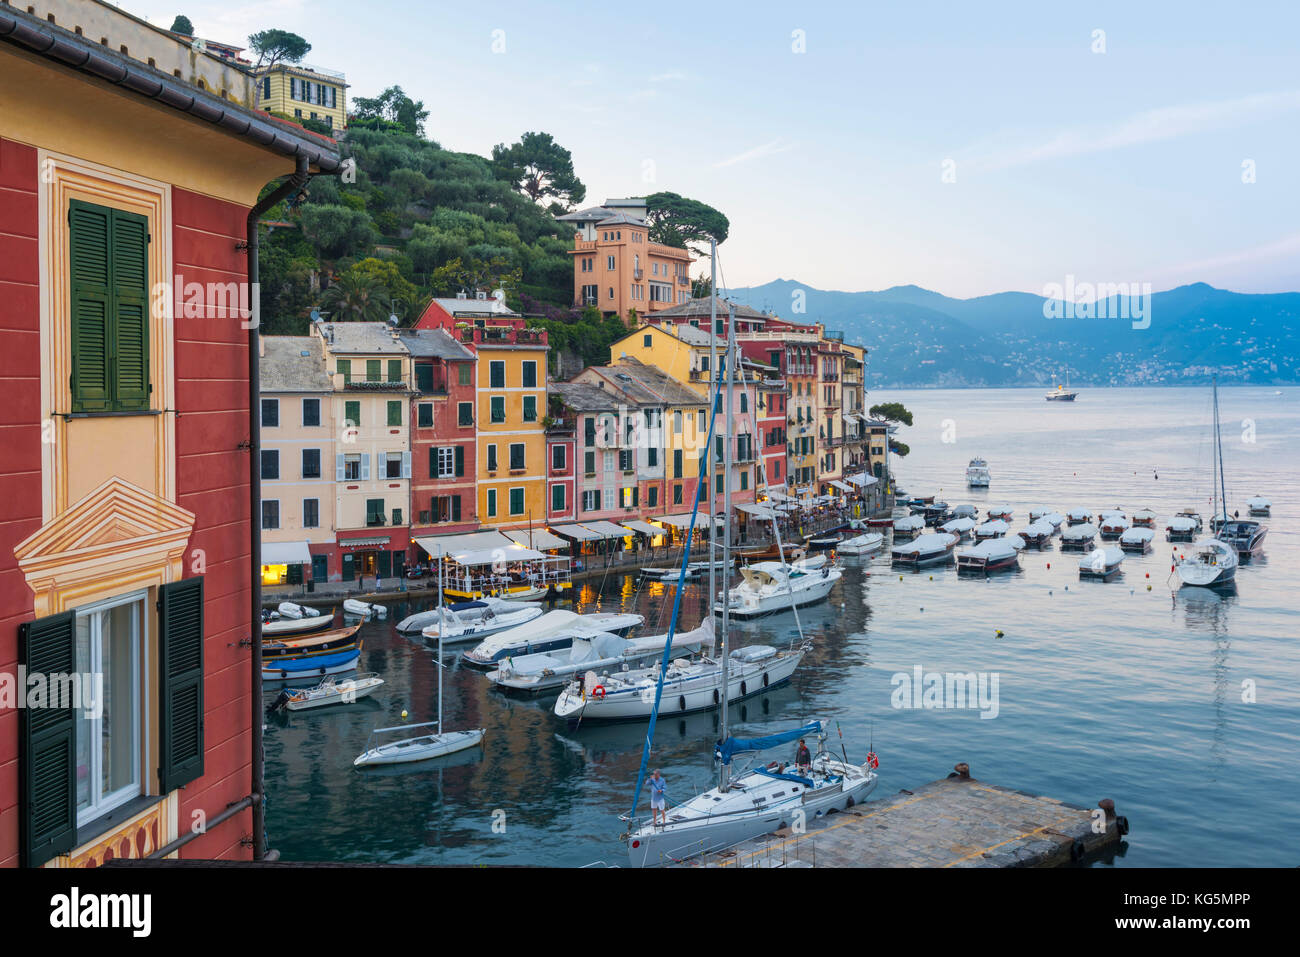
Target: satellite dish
315,315
393,320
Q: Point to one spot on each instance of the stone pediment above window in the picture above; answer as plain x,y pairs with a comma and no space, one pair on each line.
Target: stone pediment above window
116,538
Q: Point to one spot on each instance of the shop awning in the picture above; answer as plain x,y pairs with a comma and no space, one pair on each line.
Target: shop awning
684,521
536,538
606,529
863,480
841,486
464,544
761,511
285,553
490,556
364,542
645,528
578,532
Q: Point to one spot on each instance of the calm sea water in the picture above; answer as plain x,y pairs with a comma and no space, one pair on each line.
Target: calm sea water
1105,689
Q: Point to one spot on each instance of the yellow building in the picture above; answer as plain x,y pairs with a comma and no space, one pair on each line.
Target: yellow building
304,92
511,402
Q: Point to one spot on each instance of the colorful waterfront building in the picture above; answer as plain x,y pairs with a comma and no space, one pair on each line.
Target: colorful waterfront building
829,412
370,370
511,401
855,411
561,459
297,461
129,167
772,399
443,437
616,268
304,92
605,475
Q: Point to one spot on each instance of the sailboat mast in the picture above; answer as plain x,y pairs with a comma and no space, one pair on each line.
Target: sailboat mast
727,459
713,374
1218,443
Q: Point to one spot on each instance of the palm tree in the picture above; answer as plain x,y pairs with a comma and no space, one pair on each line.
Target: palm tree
354,298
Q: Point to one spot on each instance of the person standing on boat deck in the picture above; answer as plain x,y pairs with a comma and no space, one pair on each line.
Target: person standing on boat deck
658,803
802,759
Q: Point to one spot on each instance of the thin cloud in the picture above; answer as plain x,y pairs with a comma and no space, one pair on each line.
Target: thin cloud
668,77
1284,247
1150,126
777,145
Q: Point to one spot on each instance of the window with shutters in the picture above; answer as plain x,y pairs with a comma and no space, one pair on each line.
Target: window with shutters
465,414
344,368
652,496
352,467
270,463
492,457
557,458
516,501
491,503
270,413
109,642
446,462
373,369
108,272
270,513
395,370
677,494
311,463
497,374
395,412
310,412
424,377
557,498
352,413
589,463
374,511
591,500
530,373
311,513
425,413
517,456
498,406
530,408
464,373
393,465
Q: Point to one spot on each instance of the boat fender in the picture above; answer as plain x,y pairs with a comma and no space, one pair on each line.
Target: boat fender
1121,824
1077,851
716,698
598,691
849,802
764,679
681,703
744,690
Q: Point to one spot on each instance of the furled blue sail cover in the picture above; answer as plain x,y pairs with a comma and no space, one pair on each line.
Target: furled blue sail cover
733,746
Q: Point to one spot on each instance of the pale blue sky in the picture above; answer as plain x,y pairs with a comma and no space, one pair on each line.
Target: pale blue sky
1116,166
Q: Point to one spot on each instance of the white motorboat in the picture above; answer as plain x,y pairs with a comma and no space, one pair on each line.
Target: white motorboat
289,609
1102,563
489,607
1259,506
1079,516
364,609
963,511
961,527
1078,538
993,528
753,802
420,748
999,513
1194,516
989,556
551,632
1037,534
769,587
1137,540
1208,563
863,544
329,691
977,473
928,549
1246,537
690,684
478,623
280,627
1182,528
908,526
601,652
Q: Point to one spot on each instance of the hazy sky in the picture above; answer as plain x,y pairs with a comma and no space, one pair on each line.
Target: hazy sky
1123,165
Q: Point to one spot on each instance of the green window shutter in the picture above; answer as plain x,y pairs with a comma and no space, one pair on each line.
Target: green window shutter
352,412
433,461
394,370
130,252
455,508
47,746
460,460
90,270
372,370
180,651
395,413
344,367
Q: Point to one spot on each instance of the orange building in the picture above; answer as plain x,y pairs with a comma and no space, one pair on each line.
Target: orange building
615,266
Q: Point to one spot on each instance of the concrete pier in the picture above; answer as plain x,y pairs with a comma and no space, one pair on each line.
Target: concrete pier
954,822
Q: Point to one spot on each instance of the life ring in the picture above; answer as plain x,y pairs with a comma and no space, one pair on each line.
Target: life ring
598,691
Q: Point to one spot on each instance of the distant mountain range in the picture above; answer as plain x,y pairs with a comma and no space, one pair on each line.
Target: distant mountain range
919,339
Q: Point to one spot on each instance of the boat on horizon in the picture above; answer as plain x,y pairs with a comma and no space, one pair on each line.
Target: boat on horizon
1061,393
977,473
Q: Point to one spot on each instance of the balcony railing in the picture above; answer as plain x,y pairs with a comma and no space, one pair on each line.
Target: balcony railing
683,280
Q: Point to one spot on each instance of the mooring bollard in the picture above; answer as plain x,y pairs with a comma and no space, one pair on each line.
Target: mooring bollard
961,771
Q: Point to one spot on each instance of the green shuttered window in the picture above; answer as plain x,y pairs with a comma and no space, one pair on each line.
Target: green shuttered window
180,668
109,282
47,746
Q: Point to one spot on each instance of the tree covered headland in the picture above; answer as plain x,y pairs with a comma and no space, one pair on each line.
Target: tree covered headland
422,221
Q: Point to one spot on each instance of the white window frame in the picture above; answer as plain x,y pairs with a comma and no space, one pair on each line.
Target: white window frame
446,461
139,701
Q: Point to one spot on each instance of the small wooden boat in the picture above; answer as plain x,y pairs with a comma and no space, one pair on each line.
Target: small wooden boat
329,691
1260,506
907,527
297,626
1037,534
1144,518
935,513
364,609
1183,528
989,556
1101,563
1078,538
994,528
322,643
963,511
928,549
1137,540
421,748
289,669
1113,524
861,544
961,527
1079,516
999,512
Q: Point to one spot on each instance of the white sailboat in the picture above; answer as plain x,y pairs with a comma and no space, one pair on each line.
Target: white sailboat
425,746
1211,562
769,587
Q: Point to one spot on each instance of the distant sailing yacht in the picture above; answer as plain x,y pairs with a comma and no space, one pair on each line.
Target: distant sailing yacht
1061,393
